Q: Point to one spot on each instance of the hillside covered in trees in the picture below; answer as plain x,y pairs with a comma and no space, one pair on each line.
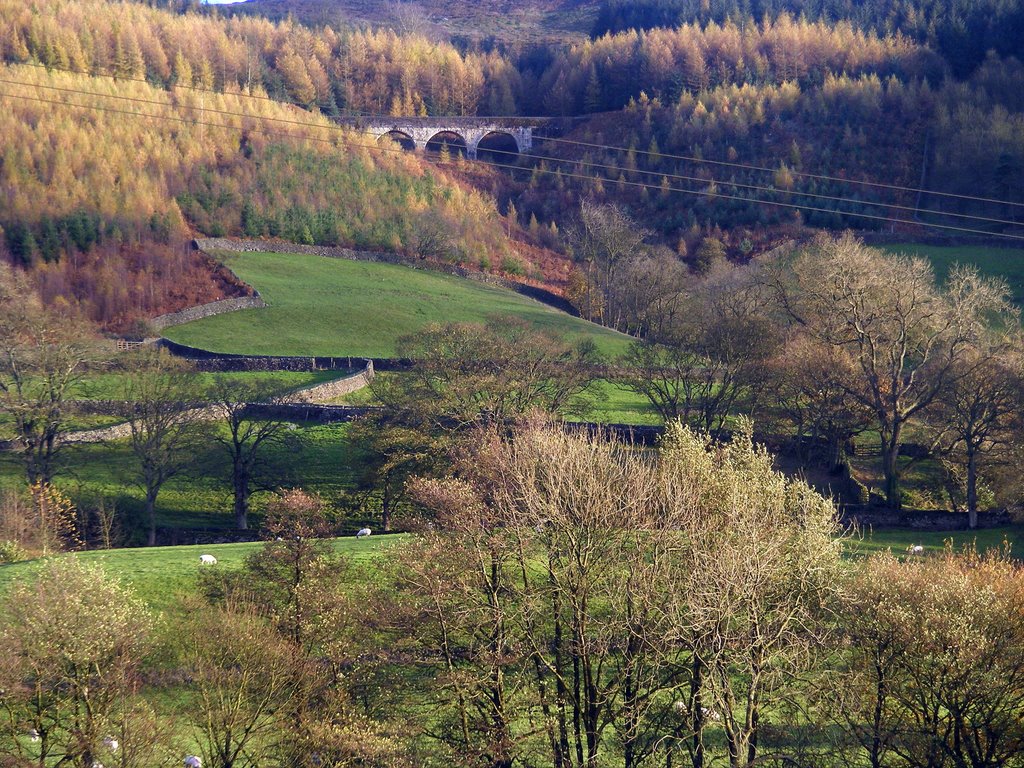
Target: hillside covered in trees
822,150
960,32
100,199
694,129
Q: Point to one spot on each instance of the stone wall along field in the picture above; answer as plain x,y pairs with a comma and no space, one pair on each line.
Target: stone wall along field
329,390
207,310
304,404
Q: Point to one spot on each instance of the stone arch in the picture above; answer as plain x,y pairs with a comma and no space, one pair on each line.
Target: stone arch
455,142
401,138
498,147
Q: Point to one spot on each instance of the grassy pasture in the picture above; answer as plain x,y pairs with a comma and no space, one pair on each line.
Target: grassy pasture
314,456
1007,263
159,575
899,539
616,404
321,306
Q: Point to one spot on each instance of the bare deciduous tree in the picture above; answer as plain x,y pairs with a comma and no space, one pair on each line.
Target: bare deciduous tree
710,362
247,437
43,356
905,335
73,639
619,598
243,678
810,386
465,373
160,401
604,238
762,562
650,292
977,415
936,665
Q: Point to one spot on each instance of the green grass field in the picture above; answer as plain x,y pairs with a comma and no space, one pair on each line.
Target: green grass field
159,574
612,404
321,306
899,539
616,404
316,457
1007,263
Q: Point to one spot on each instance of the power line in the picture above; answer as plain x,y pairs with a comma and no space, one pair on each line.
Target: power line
377,147
743,166
357,114
588,164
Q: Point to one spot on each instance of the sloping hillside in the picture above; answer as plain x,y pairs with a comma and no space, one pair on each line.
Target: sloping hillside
102,181
321,306
507,21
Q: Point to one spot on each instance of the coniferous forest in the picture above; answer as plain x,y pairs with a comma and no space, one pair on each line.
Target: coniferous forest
823,93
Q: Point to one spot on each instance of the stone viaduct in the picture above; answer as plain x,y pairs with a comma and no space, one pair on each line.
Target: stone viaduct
503,138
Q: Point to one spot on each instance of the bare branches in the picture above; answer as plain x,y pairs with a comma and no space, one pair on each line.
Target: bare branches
905,336
633,595
246,437
160,401
43,356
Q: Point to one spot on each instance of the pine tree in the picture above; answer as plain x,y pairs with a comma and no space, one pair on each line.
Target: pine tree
182,71
21,243
592,96
511,217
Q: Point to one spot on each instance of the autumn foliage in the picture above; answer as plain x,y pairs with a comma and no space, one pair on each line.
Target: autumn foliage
101,198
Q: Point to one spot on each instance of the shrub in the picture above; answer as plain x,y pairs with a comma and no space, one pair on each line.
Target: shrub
11,552
513,265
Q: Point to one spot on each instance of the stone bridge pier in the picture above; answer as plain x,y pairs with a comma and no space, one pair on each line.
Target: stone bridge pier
469,136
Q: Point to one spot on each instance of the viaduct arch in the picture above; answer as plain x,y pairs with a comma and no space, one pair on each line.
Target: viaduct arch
499,140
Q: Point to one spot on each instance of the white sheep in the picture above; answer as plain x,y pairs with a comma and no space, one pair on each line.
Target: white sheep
710,714
917,549
33,735
363,533
110,743
207,560
193,762
96,764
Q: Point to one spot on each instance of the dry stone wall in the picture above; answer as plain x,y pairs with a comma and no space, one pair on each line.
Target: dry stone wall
330,390
220,362
254,301
298,404
207,310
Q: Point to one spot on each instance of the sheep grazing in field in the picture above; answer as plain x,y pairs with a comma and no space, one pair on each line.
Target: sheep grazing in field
363,533
110,743
193,762
207,560
916,549
33,735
